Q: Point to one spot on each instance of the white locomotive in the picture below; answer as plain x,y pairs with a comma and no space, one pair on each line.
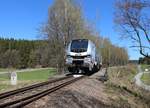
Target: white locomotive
81,54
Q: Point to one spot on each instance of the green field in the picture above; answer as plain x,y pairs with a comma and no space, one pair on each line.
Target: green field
41,74
146,78
36,75
6,69
144,66
26,78
4,77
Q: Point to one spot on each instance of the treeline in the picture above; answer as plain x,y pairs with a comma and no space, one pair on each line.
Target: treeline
111,54
114,55
18,53
38,53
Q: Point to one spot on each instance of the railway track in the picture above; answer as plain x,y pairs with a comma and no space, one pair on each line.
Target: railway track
8,100
13,92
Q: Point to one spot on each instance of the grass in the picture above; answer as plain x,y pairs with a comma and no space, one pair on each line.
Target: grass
121,86
145,66
5,69
146,78
4,86
41,74
4,77
36,75
26,78
122,76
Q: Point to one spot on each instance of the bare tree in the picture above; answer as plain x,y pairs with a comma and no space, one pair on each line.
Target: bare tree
132,18
108,51
64,23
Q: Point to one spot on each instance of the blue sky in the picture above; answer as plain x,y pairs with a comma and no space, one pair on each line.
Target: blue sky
20,19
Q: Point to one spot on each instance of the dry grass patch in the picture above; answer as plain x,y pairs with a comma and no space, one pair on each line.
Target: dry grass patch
121,85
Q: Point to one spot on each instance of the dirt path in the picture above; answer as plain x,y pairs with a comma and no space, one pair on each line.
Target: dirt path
138,81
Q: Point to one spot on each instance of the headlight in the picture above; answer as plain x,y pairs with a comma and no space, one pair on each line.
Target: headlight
88,56
69,59
68,56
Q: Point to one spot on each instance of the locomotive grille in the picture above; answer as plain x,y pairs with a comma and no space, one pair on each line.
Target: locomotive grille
78,50
78,62
78,57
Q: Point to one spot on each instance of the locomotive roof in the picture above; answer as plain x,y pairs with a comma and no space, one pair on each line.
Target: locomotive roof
80,39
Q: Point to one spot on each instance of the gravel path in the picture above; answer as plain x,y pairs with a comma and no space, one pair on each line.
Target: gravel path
138,79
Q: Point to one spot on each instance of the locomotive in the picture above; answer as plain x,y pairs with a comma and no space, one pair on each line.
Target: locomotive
82,56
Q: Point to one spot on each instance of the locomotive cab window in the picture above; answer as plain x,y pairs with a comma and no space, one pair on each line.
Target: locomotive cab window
79,45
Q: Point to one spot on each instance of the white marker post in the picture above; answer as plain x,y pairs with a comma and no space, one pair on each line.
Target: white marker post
13,78
146,70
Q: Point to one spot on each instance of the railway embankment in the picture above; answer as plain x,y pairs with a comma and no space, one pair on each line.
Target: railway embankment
118,91
121,80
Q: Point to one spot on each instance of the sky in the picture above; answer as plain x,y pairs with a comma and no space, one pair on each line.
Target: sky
21,19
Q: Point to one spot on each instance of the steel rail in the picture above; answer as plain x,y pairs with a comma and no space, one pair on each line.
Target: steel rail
10,93
26,100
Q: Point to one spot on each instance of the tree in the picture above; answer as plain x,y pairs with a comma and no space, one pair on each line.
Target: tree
10,59
108,51
132,18
64,23
35,57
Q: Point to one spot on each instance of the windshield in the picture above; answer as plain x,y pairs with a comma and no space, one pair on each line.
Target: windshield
79,45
